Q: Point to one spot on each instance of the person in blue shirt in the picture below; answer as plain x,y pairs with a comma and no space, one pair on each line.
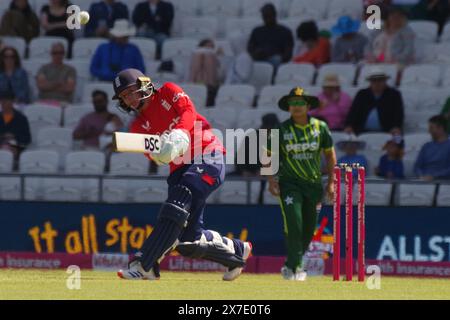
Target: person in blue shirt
350,148
12,76
390,165
118,54
433,161
102,15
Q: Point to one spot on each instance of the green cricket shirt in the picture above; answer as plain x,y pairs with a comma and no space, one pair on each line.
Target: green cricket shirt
300,150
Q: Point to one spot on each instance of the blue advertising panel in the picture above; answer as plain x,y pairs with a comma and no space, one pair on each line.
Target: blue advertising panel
405,234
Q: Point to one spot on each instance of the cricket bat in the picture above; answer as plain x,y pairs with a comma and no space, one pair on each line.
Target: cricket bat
136,142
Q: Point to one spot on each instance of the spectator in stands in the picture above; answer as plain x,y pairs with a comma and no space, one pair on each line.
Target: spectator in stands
14,127
390,165
117,54
103,15
446,113
206,68
2,45
271,42
395,43
433,161
314,48
350,147
334,103
56,80
378,108
53,20
153,19
95,124
13,76
434,10
20,21
350,45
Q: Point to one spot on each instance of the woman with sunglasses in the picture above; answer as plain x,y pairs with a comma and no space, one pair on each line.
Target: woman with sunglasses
12,76
298,183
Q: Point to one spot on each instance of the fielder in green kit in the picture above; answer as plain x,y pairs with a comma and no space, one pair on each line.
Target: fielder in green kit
298,184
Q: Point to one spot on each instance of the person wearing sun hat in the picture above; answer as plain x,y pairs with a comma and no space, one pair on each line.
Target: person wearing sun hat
334,103
350,45
378,108
117,54
298,183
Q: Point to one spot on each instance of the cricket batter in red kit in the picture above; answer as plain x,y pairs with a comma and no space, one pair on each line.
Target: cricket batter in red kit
196,159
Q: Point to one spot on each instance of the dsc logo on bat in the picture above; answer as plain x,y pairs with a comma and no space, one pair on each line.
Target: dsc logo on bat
152,144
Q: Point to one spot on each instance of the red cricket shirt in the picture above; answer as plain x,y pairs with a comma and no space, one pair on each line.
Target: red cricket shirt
170,108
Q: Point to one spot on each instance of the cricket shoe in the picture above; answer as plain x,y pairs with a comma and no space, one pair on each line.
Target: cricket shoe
300,275
136,272
287,273
232,274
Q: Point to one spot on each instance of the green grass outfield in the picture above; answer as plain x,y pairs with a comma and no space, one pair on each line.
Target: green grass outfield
40,284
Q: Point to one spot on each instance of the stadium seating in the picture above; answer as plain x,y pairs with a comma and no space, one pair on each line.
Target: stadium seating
222,117
425,31
421,76
410,194
261,75
61,189
445,36
378,194
91,86
373,150
443,198
148,191
251,119
131,4
241,25
39,48
270,95
292,24
446,78
85,162
308,9
424,88
268,198
175,48
345,71
55,138
220,8
233,192
326,25
18,43
84,48
338,8
416,121
235,95
6,161
252,8
295,74
185,8
197,93
339,136
32,66
40,116
128,164
10,188
200,27
39,161
413,144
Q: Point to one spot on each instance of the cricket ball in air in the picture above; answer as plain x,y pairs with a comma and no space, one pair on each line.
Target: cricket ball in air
83,17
